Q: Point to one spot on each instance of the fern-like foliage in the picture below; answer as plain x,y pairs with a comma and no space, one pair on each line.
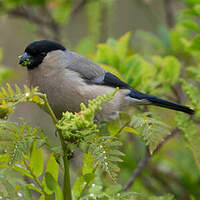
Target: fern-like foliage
9,98
152,131
16,139
190,131
80,130
117,196
107,154
115,192
80,126
194,96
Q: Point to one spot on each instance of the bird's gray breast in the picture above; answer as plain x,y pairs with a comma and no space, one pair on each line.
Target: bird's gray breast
62,89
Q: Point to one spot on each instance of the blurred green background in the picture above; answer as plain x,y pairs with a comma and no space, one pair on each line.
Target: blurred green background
163,42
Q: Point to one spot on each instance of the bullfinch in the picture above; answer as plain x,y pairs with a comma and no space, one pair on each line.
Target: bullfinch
69,79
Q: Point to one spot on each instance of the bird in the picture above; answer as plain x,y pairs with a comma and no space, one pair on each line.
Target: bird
69,79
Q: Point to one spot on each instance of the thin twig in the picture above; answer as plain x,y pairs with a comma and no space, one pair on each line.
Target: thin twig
178,92
80,6
25,14
46,21
144,161
173,133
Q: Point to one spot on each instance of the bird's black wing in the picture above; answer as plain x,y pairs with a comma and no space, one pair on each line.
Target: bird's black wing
110,80
113,81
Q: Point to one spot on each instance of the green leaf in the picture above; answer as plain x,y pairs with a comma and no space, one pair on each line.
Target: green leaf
50,181
59,193
42,197
114,127
130,130
195,45
106,55
107,154
170,70
26,192
192,2
22,171
134,65
122,46
192,25
192,93
53,169
80,184
197,9
32,187
36,160
53,186
191,134
88,163
152,131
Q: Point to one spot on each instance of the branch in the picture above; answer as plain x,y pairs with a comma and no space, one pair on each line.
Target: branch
46,21
25,14
178,92
79,7
66,182
173,133
144,161
168,7
142,164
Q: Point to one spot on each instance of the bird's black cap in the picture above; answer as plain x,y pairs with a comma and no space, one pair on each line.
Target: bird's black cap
43,46
36,51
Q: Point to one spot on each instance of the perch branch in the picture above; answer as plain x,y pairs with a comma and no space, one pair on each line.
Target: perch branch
144,161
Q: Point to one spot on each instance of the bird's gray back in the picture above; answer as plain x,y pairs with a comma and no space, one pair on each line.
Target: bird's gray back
87,69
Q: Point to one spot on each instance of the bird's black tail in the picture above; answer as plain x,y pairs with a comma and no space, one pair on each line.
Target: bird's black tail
161,102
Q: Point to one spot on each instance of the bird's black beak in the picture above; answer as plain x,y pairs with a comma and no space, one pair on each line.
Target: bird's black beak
25,59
